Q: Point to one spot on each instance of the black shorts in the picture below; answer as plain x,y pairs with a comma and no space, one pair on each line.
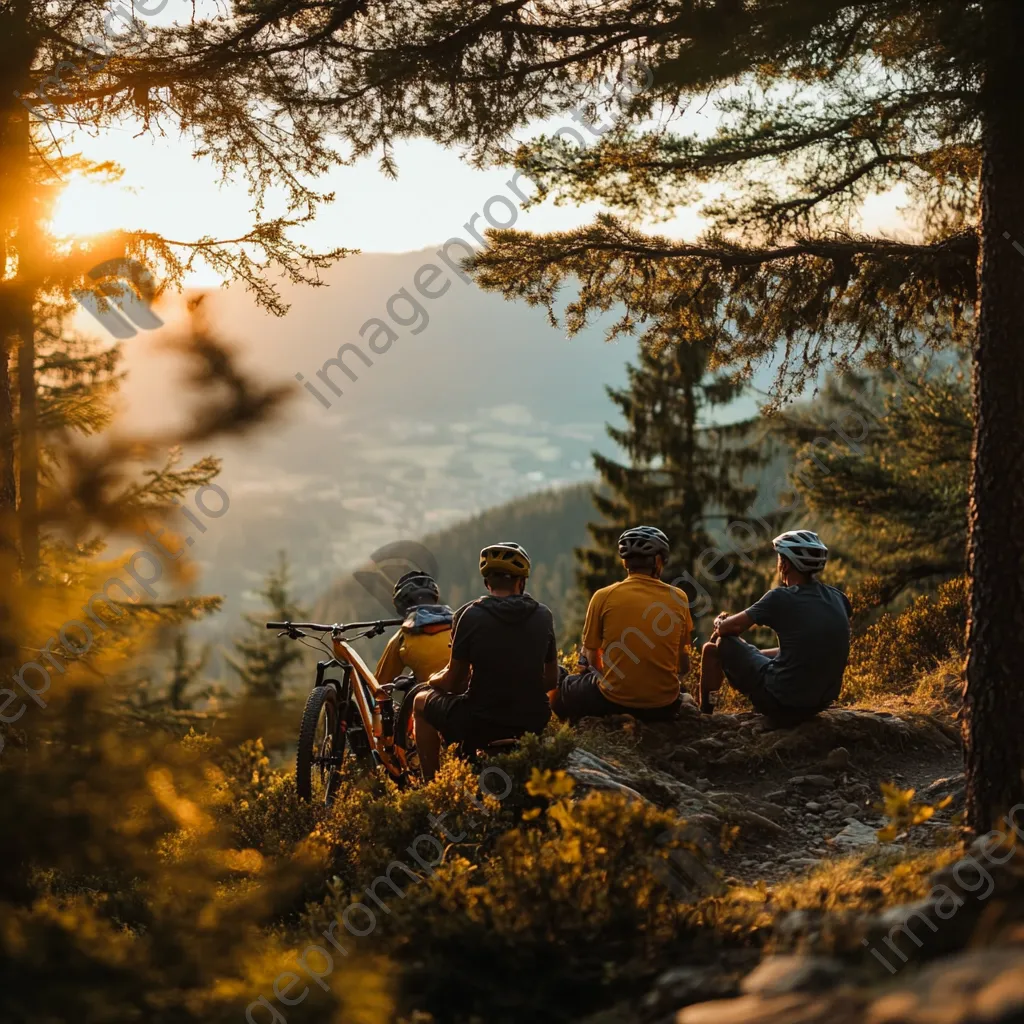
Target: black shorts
451,716
581,697
744,666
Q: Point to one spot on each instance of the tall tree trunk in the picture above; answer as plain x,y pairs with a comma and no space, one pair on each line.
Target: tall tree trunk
994,691
29,275
28,442
12,163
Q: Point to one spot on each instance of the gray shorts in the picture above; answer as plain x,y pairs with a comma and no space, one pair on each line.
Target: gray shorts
745,667
744,664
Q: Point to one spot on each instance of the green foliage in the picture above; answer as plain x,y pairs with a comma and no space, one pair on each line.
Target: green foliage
181,684
120,867
681,475
839,893
572,902
124,896
902,813
893,653
263,661
894,495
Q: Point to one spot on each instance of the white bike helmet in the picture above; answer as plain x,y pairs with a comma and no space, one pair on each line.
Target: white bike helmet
643,541
804,548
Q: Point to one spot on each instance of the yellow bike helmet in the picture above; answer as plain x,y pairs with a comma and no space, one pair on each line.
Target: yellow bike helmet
506,557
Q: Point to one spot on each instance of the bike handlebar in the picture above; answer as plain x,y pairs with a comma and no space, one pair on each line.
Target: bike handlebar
339,627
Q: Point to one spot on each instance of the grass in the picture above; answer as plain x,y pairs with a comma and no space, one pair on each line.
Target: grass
836,895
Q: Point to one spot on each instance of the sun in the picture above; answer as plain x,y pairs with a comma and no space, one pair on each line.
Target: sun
85,207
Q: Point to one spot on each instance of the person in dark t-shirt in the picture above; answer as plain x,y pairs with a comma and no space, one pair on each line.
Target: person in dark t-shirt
804,674
503,662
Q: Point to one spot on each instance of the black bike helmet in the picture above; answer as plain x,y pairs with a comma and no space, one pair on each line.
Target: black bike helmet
415,588
643,542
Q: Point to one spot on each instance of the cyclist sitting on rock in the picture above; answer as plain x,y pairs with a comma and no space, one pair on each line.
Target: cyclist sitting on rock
503,662
423,641
635,640
803,675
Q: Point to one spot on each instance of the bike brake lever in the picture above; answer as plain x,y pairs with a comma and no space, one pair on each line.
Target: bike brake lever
292,633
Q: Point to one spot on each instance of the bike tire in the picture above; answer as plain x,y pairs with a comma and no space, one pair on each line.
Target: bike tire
319,699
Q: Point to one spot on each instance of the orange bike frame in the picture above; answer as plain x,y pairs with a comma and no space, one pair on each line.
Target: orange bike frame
392,757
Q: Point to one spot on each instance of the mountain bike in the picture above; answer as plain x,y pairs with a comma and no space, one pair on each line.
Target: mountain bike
348,712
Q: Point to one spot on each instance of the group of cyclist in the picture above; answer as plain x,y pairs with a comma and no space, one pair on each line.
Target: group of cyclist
491,668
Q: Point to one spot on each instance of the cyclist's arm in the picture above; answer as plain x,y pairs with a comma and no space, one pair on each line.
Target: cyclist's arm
390,664
551,674
733,625
453,678
684,660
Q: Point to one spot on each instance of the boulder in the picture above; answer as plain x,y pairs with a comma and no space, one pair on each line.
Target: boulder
838,758
795,1008
856,836
681,986
811,782
592,772
984,986
780,975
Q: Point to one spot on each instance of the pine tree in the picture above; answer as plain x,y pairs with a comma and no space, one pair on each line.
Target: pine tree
262,660
115,848
886,464
178,682
65,70
821,104
682,475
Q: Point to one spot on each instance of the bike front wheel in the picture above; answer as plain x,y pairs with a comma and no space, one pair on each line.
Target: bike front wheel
321,744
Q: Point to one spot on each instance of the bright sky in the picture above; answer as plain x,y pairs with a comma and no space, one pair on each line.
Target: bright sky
165,190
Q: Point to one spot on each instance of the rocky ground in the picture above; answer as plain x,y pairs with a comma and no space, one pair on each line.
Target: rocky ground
769,806
793,796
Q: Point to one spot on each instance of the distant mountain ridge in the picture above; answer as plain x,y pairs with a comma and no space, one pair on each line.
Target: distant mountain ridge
486,403
549,525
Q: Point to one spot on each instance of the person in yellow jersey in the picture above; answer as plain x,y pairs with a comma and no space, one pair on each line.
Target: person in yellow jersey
423,642
636,640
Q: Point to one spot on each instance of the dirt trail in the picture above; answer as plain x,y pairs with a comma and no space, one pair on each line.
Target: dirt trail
797,796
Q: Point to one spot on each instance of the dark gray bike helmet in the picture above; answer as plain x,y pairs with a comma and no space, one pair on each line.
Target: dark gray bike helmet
415,588
643,542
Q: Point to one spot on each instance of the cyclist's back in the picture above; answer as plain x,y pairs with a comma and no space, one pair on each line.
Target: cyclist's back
422,644
507,641
503,663
640,624
635,640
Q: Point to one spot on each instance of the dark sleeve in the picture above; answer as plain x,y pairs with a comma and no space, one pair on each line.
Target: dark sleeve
551,652
463,628
765,610
846,604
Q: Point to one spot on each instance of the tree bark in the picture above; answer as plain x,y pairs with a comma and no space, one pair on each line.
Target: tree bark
12,162
28,440
994,689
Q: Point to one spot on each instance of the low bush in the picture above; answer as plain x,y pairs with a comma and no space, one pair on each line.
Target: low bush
893,654
551,911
